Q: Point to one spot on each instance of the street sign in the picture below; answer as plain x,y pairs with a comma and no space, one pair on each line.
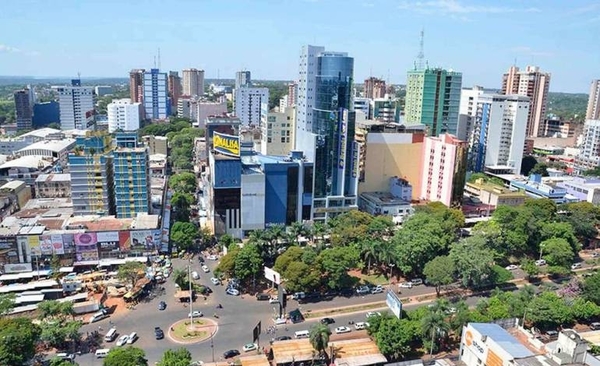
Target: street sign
393,302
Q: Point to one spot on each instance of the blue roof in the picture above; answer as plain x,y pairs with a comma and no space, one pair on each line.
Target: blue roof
504,339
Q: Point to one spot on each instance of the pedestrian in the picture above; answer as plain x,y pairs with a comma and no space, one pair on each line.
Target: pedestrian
172,330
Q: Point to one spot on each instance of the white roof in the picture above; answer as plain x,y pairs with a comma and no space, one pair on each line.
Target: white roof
42,132
13,184
52,145
54,177
31,161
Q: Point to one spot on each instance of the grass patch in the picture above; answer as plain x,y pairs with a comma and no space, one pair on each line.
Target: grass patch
350,309
375,279
181,330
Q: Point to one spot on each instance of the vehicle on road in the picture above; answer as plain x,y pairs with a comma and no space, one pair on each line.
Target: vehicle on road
64,356
232,292
162,305
102,353
122,340
215,281
263,297
576,265
302,334
595,326
342,330
158,333
512,267
195,314
213,257
327,321
273,300
595,254
416,281
281,338
205,268
132,338
373,313
540,262
250,347
231,353
102,314
298,295
363,290
111,335
377,290
195,275
405,285
361,325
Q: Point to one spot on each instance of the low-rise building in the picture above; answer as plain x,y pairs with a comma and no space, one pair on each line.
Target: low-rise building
26,168
156,144
53,185
385,203
56,149
495,195
534,187
19,189
584,189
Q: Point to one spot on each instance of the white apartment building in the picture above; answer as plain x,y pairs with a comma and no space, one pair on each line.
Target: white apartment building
467,111
589,155
363,105
193,82
593,108
277,131
283,103
123,115
498,134
184,107
76,105
207,109
248,103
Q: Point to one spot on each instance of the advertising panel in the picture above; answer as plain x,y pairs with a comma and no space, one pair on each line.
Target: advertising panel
23,248
394,303
34,245
68,243
51,244
124,241
272,276
18,267
472,339
355,154
86,247
342,143
108,241
226,144
8,246
142,240
157,239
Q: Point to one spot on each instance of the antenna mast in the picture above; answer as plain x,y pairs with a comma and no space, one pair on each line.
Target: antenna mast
159,58
421,55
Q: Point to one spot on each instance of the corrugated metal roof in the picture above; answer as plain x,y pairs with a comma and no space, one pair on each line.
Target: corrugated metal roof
504,339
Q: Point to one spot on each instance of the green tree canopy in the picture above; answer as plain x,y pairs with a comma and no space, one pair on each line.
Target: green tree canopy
549,311
178,357
335,263
319,337
557,252
248,262
7,303
541,169
439,272
184,234
349,227
227,262
126,356
18,337
181,203
472,260
185,182
130,272
591,288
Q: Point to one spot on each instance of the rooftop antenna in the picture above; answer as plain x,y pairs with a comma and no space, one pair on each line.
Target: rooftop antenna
159,57
78,75
515,64
421,55
155,62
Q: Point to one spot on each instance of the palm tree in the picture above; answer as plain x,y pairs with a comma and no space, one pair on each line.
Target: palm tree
434,324
295,230
317,230
180,277
319,337
370,251
387,254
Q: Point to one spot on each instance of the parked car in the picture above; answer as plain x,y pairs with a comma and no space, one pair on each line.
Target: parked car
213,257
540,262
162,305
361,325
215,281
595,326
373,313
416,281
195,314
158,333
232,292
122,340
576,265
595,254
250,347
283,338
231,353
205,268
263,297
512,267
342,330
298,295
327,321
363,290
405,285
377,290
273,300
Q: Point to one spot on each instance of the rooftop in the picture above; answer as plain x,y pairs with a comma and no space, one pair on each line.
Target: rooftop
503,338
105,223
295,350
53,177
52,145
30,161
41,133
12,185
383,199
357,352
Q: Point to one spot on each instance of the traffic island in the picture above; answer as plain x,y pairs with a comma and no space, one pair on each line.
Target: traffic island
201,330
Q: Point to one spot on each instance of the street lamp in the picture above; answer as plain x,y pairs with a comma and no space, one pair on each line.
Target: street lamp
391,270
191,300
541,250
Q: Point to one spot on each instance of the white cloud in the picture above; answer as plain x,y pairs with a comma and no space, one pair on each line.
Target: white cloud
455,7
8,49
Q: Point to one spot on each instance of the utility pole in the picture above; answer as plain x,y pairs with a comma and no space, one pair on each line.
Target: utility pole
191,296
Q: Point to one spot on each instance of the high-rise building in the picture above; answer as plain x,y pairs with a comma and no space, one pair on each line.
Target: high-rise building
325,129
467,111
76,105
593,108
277,131
123,115
444,169
207,109
283,103
248,103
175,88
534,84
45,113
243,79
385,110
193,82
131,176
136,85
23,109
363,105
156,104
432,99
374,88
497,135
589,154
292,93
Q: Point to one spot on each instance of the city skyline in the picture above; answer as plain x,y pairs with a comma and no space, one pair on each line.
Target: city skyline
480,41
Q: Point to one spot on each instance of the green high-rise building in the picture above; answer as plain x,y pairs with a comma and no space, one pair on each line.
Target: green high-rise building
433,99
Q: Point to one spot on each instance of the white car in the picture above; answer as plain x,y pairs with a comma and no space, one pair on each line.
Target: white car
122,340
195,314
540,262
232,292
576,265
273,300
377,290
215,281
361,325
250,347
595,254
373,313
512,267
405,285
342,330
213,257
205,268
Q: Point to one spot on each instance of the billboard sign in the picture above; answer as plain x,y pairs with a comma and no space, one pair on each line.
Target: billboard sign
108,240
142,240
17,268
272,276
68,243
52,244
393,302
86,247
124,241
342,141
226,144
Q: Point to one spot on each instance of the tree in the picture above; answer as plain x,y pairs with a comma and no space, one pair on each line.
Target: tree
439,272
248,262
584,217
557,252
227,241
181,278
433,327
527,165
319,337
178,357
591,288
59,362
7,303
300,276
18,337
541,169
184,234
477,176
126,356
549,311
227,262
185,182
130,272
395,337
472,260
530,268
181,203
293,254
562,230
335,264
369,248
349,227
584,310
55,310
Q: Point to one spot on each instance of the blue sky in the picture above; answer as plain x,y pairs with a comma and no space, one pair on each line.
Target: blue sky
481,38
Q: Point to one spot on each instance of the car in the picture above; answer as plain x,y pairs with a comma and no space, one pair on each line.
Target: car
327,321
122,340
361,325
132,338
201,259
65,356
205,268
416,281
377,290
595,326
250,347
282,338
342,330
405,285
576,265
595,254
263,297
540,262
232,292
273,300
298,295
195,275
373,313
213,257
195,314
162,305
158,333
215,281
231,353
512,267
363,290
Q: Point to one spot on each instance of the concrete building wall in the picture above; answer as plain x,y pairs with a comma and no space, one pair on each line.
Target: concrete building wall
253,202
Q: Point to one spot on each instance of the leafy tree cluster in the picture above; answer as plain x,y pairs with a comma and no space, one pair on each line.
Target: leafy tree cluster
60,329
568,106
485,178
